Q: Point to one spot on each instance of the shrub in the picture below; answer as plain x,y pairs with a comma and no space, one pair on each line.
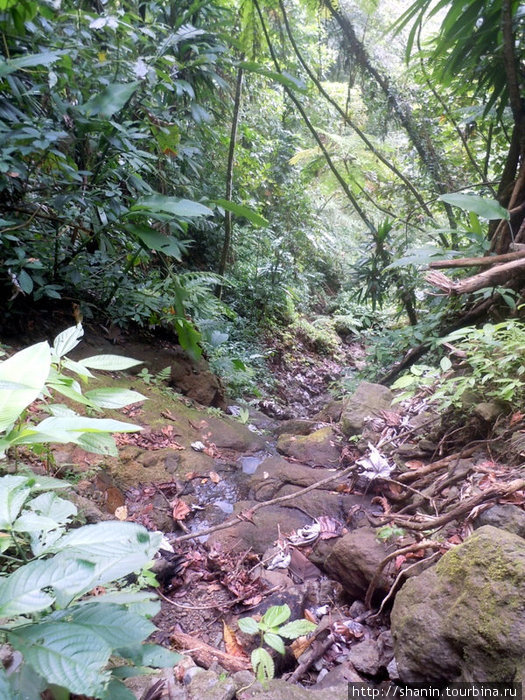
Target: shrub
65,637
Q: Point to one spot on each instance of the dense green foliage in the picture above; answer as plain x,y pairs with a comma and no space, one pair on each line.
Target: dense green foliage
146,146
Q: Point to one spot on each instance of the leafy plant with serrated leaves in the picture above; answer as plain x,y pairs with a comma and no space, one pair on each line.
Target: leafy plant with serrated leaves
272,628
61,639
37,372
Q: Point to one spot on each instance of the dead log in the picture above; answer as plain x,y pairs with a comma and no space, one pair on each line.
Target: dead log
205,655
477,262
494,277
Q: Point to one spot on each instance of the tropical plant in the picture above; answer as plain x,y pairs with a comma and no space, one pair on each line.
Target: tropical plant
64,637
271,629
38,371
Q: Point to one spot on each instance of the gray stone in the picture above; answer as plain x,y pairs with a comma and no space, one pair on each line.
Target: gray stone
281,690
368,400
318,448
272,474
297,426
354,560
365,657
331,412
464,619
208,685
261,531
506,516
489,410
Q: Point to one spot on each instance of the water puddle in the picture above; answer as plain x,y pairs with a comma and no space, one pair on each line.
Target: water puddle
249,463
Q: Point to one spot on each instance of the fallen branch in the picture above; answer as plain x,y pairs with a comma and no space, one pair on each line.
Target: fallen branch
401,575
494,277
461,509
415,547
206,655
485,261
247,515
408,477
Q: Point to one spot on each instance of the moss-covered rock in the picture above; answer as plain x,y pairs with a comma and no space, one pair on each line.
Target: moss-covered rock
320,448
464,619
368,400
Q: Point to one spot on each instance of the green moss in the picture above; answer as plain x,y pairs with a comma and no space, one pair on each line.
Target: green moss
319,335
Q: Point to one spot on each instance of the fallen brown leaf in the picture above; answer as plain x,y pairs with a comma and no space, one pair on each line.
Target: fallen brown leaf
180,509
215,477
300,645
231,644
414,464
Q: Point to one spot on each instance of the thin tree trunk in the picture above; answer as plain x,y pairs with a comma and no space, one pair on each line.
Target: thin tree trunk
418,137
311,128
229,172
346,118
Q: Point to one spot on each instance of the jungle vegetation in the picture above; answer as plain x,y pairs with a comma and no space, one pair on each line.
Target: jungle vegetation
222,167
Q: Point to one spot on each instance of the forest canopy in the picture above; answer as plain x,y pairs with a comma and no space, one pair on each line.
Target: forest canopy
203,166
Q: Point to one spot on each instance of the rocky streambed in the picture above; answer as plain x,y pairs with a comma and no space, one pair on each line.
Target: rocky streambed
411,563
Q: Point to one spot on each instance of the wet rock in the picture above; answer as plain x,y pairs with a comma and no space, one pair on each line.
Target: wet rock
195,380
227,433
261,531
342,673
141,685
281,690
297,426
365,657
464,619
272,474
210,686
87,509
297,597
506,516
354,559
331,413
368,400
318,448
489,410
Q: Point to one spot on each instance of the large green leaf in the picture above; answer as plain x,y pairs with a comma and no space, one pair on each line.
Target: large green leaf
109,363
23,591
286,79
114,623
14,491
241,210
274,641
45,58
155,240
67,340
29,367
98,443
66,654
248,625
116,549
276,615
487,208
296,628
114,397
110,101
185,208
82,424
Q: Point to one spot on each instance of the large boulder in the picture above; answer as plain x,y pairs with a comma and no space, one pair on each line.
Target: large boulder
319,448
504,515
355,558
276,477
368,400
464,619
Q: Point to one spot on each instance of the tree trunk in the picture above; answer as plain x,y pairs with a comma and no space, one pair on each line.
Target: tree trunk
419,138
229,172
